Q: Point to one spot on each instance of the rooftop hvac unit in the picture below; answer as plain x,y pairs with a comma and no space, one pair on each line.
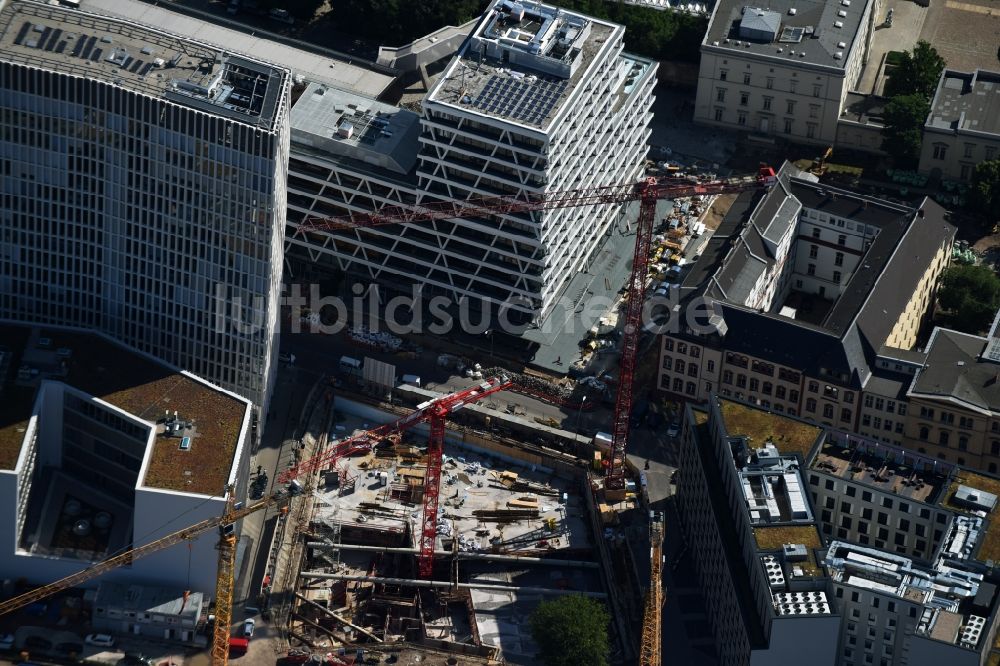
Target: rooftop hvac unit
838,55
792,11
841,45
838,24
842,14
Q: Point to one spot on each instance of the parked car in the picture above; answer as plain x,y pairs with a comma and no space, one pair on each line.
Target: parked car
248,627
673,429
7,642
282,15
100,640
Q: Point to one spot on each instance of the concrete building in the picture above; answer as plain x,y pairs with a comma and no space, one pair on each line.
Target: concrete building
863,604
153,612
143,183
783,69
811,287
537,100
963,126
103,448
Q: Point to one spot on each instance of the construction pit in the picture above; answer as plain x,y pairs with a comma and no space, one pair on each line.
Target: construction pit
509,534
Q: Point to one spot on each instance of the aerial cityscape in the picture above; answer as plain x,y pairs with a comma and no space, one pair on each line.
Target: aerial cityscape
484,332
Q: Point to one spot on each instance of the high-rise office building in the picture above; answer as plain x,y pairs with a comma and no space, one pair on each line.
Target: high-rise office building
538,99
143,182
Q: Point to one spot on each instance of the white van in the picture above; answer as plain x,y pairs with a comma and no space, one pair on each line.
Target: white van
411,379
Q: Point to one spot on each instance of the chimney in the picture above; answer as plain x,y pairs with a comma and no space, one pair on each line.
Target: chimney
920,213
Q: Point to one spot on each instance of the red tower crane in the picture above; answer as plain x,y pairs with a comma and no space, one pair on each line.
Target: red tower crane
647,192
435,412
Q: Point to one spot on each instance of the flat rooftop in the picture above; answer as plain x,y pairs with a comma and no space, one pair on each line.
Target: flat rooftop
310,64
148,61
885,468
150,599
140,386
789,435
958,603
348,125
809,31
989,545
523,62
967,102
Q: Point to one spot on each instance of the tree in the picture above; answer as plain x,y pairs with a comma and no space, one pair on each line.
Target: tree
972,295
984,192
571,631
917,73
904,118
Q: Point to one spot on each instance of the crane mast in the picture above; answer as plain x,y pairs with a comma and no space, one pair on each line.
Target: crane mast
649,649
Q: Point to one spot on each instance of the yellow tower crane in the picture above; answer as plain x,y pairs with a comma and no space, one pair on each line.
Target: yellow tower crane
649,650
224,584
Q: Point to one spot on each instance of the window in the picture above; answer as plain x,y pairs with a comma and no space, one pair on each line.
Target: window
741,118
767,103
943,438
926,413
816,232
695,352
814,110
667,361
966,171
947,417
836,276
710,366
788,126
845,415
793,85
940,150
741,381
963,443
793,395
838,259
679,366
678,385
668,344
720,95
811,269
692,370
722,74
813,251
965,422
968,149
810,130
994,447
744,98
767,388
827,411
780,392
811,405
790,106
816,90
841,240
990,152
746,78
718,115
754,385
813,387
690,388
887,503
727,377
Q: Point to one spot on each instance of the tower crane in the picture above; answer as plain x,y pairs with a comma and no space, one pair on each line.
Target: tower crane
435,412
647,192
649,649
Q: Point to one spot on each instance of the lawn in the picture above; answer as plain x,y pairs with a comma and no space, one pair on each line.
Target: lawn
773,538
788,434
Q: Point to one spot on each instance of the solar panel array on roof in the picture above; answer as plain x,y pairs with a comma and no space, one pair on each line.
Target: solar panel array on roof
517,98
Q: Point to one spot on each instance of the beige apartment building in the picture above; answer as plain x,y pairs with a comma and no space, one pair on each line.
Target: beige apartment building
850,280
783,68
963,126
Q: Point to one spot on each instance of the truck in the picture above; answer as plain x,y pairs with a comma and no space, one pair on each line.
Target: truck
350,366
238,646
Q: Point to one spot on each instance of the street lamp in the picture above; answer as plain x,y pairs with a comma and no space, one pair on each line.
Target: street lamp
579,413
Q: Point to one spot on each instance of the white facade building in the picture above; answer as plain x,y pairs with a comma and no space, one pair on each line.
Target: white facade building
537,100
783,69
103,448
143,190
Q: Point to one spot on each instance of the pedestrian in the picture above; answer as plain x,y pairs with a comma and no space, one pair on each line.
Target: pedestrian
558,360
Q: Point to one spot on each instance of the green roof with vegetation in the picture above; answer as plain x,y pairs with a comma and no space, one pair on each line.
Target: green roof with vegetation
774,537
788,434
989,548
146,389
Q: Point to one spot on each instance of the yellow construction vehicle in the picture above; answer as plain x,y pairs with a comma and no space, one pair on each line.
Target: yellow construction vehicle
818,167
224,583
649,649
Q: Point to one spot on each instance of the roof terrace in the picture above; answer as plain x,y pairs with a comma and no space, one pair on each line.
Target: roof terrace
883,467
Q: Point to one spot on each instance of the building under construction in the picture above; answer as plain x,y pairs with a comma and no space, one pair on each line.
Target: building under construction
510,532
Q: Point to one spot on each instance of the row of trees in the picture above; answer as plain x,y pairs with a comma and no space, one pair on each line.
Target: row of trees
910,89
655,34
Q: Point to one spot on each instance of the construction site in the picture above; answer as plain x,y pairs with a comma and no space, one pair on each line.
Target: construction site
515,524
